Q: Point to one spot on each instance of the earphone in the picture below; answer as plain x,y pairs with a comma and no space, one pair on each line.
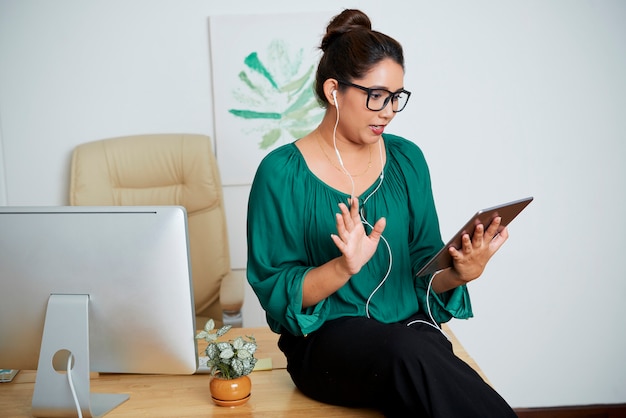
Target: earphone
334,93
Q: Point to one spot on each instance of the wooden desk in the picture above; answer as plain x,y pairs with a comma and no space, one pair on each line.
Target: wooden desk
273,393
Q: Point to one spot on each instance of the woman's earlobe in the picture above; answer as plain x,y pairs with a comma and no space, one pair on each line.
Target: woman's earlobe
330,89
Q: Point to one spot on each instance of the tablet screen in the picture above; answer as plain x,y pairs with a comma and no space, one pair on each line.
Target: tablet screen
508,212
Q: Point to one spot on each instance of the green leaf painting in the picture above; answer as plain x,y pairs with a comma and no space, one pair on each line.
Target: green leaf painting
275,91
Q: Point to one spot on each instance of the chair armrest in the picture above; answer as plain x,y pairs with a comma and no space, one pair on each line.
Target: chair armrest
232,291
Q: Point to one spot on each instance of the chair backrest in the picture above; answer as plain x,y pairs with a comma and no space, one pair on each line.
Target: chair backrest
164,169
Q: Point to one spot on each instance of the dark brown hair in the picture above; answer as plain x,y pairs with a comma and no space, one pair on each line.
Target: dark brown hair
351,48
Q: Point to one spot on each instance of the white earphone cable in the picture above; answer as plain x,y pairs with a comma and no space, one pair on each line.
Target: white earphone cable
367,304
71,383
430,314
364,221
346,172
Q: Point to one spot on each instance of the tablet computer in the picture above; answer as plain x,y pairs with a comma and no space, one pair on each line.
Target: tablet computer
507,211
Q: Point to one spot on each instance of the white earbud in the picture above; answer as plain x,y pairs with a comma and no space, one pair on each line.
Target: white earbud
334,93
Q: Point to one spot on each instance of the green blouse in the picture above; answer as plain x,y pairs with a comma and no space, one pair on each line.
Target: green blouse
291,215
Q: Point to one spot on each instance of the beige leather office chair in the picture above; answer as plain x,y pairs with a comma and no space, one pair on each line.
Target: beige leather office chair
169,169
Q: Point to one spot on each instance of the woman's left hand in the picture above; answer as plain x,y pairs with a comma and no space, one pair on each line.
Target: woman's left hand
471,259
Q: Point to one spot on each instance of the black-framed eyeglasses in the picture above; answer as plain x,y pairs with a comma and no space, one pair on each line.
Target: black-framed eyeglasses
377,99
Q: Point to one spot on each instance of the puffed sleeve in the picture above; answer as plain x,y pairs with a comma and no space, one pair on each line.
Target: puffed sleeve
425,242
443,307
277,259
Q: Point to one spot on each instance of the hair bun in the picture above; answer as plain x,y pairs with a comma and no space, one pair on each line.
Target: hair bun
347,21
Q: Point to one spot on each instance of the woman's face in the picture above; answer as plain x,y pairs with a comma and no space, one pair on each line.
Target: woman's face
356,122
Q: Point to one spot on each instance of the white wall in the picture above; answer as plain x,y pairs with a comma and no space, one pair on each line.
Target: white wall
509,99
3,193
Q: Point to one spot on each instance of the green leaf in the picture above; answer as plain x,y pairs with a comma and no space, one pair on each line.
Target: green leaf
226,354
297,114
251,114
305,96
243,354
246,80
270,138
210,324
250,347
298,84
212,351
223,345
255,64
223,330
237,367
238,343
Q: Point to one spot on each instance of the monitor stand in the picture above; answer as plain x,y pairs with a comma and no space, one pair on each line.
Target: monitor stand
66,336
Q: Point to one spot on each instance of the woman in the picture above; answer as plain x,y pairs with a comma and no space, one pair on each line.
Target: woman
357,326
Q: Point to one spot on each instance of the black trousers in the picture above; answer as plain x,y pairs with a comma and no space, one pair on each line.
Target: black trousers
404,371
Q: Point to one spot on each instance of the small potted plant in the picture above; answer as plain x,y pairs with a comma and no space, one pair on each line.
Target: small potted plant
229,362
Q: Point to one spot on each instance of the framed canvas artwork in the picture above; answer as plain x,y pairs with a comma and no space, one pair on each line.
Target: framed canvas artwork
263,70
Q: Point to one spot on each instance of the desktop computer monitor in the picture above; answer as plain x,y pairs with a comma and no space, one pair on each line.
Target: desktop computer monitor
102,289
